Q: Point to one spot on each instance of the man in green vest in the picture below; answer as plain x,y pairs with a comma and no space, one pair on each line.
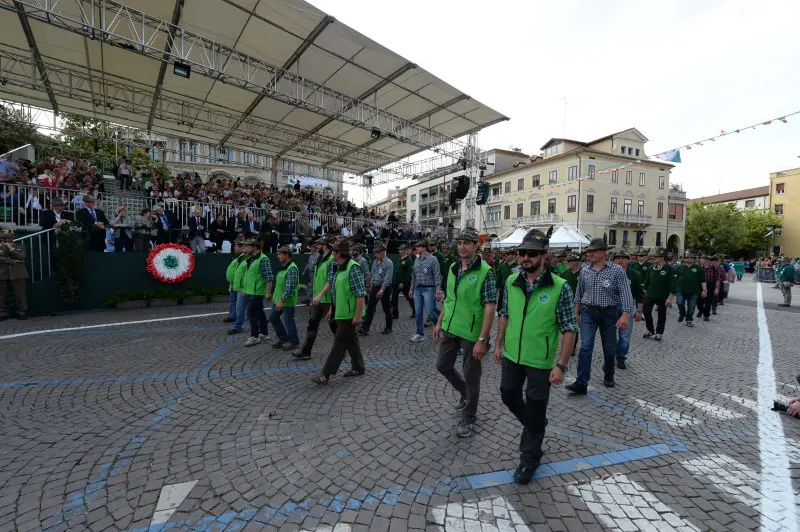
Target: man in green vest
563,264
322,298
287,286
257,289
537,310
348,294
235,277
465,323
691,286
401,282
660,285
622,259
786,278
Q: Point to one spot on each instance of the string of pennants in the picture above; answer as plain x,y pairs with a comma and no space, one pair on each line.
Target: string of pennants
673,155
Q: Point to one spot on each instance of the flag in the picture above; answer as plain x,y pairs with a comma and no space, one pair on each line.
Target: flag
672,156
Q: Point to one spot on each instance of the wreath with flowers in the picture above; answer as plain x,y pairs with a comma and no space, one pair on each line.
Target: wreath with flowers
170,263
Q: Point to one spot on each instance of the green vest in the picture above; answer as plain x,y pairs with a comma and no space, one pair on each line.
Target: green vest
238,276
463,311
532,334
254,284
231,271
321,277
345,298
280,285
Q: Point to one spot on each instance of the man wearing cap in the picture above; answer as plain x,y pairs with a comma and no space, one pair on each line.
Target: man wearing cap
537,309
562,265
426,288
622,259
308,271
324,270
235,284
258,280
381,290
786,278
94,223
691,285
348,294
287,285
357,254
504,272
642,263
465,324
56,216
660,286
14,273
713,286
571,275
603,301
401,283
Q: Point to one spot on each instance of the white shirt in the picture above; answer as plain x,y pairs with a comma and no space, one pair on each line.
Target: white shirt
346,232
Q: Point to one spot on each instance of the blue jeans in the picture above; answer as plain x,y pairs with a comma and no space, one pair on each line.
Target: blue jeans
591,321
624,339
241,310
284,324
233,298
686,305
425,304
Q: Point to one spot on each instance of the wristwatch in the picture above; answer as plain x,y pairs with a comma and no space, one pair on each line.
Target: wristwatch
483,340
562,367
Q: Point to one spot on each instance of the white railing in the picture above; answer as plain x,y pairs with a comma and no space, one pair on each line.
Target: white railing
631,219
37,253
538,218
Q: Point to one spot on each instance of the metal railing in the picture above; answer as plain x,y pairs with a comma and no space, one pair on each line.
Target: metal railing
37,253
630,219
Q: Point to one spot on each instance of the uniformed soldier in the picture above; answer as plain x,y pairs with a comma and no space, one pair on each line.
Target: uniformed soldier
321,302
538,308
235,277
287,286
660,285
691,286
401,283
357,253
381,290
562,265
622,258
348,294
786,277
311,263
465,324
426,288
13,272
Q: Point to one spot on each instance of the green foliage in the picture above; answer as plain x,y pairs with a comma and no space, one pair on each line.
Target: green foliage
165,292
757,224
68,263
719,228
15,131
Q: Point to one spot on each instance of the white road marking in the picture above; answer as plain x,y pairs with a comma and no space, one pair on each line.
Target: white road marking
671,417
621,503
776,484
172,495
495,514
711,409
747,403
116,324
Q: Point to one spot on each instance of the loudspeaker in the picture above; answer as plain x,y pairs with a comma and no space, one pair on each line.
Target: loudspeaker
461,185
483,193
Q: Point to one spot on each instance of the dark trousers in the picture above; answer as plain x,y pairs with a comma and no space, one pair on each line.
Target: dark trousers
592,320
123,243
470,385
530,411
345,340
661,305
706,304
255,313
386,304
396,291
20,296
317,314
686,305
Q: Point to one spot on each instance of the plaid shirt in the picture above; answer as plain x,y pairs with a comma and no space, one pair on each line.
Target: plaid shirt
356,280
291,282
565,310
712,276
608,287
266,270
426,272
489,288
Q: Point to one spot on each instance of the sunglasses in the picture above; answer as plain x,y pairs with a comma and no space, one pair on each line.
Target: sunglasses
530,253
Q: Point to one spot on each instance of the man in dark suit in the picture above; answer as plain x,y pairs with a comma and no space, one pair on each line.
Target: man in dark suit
94,224
165,225
55,216
197,231
322,229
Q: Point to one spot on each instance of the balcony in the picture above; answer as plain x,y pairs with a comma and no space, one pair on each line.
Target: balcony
537,219
634,220
492,224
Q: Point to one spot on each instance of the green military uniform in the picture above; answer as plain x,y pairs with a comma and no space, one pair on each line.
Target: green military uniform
13,273
659,284
442,266
786,278
402,275
689,286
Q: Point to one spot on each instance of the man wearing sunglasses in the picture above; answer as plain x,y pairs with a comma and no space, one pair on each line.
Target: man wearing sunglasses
537,309
603,292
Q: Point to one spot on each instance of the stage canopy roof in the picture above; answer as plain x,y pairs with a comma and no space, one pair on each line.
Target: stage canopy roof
276,77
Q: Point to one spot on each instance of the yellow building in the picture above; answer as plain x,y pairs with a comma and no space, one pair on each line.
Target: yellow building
605,188
395,202
784,196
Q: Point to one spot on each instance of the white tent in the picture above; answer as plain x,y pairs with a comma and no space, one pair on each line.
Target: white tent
568,237
514,239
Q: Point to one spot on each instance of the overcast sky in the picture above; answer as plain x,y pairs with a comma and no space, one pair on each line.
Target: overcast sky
679,71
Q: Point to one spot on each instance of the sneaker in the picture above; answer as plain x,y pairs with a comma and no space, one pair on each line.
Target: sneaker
300,355
576,388
386,331
524,474
657,338
290,346
417,338
462,404
320,379
363,332
689,324
352,373
706,319
234,331
252,341
608,383
228,319
621,363
464,429
647,335
280,343
680,319
263,337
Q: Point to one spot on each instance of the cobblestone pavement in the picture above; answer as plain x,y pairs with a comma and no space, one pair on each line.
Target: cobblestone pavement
116,420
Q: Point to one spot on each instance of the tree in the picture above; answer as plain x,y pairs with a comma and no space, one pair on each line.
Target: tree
714,228
16,132
757,224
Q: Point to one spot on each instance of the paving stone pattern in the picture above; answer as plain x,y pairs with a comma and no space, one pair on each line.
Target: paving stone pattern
97,421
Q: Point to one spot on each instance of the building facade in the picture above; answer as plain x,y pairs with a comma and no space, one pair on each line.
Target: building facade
784,196
394,201
605,188
751,198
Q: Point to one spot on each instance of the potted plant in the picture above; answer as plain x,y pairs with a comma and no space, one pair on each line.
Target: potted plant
127,299
219,295
194,296
162,297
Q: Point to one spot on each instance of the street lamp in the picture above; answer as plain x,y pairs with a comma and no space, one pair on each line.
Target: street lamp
773,228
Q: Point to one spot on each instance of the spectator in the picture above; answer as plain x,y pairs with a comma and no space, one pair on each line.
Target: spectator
56,216
197,231
124,175
217,232
123,230
8,168
94,222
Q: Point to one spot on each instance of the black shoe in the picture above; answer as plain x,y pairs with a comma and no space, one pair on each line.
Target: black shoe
352,373
234,331
779,304
680,319
280,343
300,355
690,324
465,428
386,331
228,319
524,474
706,319
462,404
363,332
25,316
290,346
395,316
576,388
657,338
621,363
721,304
608,383
714,312
648,335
